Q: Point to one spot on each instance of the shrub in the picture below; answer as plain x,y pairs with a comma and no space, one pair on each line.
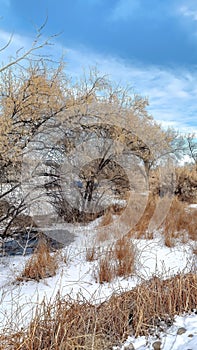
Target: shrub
124,254
186,184
140,229
117,261
180,222
105,271
78,324
41,264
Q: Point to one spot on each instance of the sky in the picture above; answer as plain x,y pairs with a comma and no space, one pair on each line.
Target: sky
150,45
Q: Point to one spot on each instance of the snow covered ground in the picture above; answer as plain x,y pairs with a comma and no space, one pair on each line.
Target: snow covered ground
181,336
18,299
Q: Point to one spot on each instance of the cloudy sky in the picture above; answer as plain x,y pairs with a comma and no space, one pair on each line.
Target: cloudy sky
149,44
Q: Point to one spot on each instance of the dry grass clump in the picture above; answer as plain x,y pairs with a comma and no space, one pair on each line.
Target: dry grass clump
125,255
140,229
180,223
160,300
91,253
78,324
105,271
117,261
106,219
41,264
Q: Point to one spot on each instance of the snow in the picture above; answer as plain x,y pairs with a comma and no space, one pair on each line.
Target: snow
193,206
18,299
170,340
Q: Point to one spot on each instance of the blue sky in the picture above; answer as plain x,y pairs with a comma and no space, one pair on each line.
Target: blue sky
148,44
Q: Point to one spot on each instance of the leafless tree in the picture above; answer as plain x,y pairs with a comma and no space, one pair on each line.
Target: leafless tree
41,109
192,147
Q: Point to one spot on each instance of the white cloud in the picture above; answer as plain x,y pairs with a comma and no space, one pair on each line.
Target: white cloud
16,40
188,12
171,92
187,9
18,44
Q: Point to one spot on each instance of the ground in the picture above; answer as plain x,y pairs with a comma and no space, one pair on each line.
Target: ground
76,276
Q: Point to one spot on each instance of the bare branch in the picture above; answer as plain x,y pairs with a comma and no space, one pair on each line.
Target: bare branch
7,44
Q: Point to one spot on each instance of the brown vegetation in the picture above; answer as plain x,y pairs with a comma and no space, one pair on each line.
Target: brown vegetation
125,255
105,271
78,324
117,261
180,223
107,218
140,229
185,187
41,264
186,184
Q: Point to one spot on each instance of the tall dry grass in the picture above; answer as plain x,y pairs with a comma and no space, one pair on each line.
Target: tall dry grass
125,256
68,324
107,218
105,270
180,222
185,182
141,228
118,260
41,264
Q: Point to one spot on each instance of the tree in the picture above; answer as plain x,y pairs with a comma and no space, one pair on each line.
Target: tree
98,124
28,54
192,147
29,96
45,117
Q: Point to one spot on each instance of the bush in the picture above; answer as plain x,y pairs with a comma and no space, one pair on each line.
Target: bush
186,186
41,265
78,324
117,261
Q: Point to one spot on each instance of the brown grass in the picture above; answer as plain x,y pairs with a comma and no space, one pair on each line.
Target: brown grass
41,264
169,240
117,261
185,186
162,300
124,254
68,324
105,271
91,253
180,223
142,226
107,218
